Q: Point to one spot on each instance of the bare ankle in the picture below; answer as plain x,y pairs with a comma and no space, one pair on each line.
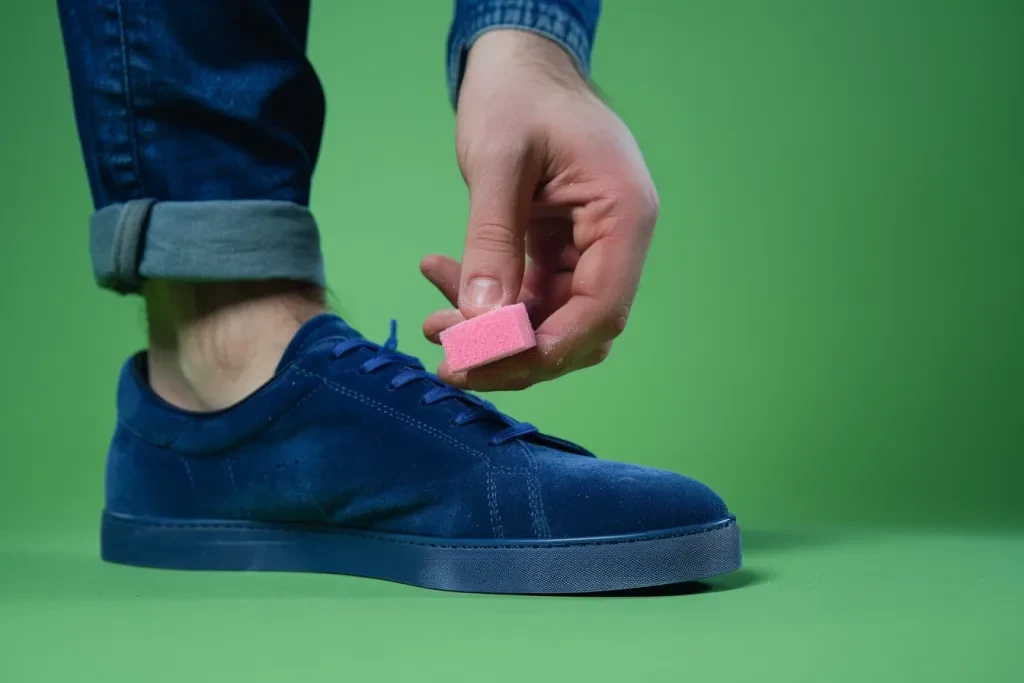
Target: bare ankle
211,344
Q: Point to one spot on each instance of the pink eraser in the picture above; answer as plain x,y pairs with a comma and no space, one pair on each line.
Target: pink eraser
486,338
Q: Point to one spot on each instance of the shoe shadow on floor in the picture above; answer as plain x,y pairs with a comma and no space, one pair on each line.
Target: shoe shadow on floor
738,579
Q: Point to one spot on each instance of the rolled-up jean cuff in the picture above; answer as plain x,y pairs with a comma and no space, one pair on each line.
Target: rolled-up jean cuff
204,241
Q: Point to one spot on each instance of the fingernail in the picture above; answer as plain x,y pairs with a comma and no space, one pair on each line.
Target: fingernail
483,291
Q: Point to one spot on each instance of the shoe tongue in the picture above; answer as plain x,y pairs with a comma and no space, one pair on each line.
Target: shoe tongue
322,327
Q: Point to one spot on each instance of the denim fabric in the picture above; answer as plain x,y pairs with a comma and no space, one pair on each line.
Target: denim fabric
211,106
328,440
200,123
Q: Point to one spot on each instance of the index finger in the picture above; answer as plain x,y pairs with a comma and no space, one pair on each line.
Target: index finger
579,333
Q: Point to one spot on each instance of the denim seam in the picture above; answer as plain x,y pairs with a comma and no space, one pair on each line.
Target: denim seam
129,233
133,136
496,524
119,243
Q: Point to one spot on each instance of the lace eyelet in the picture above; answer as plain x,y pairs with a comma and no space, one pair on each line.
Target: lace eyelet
491,443
453,423
390,386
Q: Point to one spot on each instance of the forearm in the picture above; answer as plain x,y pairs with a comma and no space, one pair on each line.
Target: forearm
570,23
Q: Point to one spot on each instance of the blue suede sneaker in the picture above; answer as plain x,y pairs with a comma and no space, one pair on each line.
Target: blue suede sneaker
354,460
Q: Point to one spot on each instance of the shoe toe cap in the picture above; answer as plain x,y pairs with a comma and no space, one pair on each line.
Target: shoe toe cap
590,497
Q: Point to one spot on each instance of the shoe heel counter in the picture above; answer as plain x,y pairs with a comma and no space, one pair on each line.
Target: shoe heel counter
144,474
145,479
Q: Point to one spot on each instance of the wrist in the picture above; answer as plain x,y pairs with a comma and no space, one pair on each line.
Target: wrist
568,24
516,50
521,45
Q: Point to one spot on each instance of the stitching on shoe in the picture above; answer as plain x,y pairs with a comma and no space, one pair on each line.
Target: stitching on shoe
392,412
509,470
188,471
231,475
271,422
540,520
249,436
492,503
234,484
531,501
250,526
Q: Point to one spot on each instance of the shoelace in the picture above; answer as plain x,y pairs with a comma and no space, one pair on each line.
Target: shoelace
477,408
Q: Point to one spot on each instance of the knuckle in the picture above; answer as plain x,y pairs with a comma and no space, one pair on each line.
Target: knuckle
646,205
616,321
631,203
599,355
654,205
493,238
638,191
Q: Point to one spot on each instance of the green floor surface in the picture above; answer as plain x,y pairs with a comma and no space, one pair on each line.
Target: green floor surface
829,328
809,606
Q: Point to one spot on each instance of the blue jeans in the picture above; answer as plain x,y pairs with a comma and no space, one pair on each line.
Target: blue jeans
200,123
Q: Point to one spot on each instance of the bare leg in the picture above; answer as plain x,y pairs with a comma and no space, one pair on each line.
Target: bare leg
212,344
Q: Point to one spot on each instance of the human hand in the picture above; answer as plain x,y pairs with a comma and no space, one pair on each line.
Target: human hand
562,210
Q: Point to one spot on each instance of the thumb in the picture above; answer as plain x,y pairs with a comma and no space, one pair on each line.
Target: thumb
501,190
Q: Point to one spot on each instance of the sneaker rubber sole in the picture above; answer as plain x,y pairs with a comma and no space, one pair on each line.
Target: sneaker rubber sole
527,566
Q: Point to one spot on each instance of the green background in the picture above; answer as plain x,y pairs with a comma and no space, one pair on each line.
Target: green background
830,332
